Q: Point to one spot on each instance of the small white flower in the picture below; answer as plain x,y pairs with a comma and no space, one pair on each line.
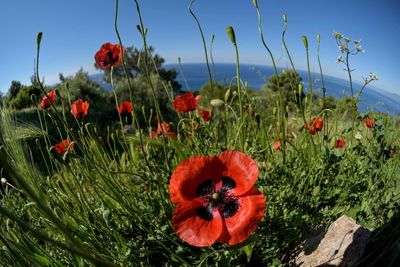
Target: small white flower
347,39
359,49
339,59
373,76
358,136
342,48
337,35
357,42
3,180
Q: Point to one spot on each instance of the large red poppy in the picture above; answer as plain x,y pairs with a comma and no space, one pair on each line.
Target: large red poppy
80,109
109,55
62,147
186,102
125,108
48,100
370,123
215,200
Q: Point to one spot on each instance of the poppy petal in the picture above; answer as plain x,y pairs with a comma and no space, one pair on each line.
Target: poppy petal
193,229
241,168
243,223
190,174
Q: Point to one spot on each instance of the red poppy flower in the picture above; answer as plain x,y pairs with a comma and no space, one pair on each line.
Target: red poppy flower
339,143
277,145
125,108
62,147
215,200
163,128
109,55
205,114
48,100
315,125
80,109
319,123
370,123
186,102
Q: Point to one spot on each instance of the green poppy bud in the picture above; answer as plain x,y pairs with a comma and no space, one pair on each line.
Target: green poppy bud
39,38
300,87
284,18
217,103
305,42
227,95
231,34
318,38
255,3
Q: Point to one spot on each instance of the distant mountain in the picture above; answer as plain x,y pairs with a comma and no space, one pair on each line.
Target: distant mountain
196,74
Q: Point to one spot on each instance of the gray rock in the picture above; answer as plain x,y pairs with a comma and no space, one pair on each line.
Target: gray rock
343,244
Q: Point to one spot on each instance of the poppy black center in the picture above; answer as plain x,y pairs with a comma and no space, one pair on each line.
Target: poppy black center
221,199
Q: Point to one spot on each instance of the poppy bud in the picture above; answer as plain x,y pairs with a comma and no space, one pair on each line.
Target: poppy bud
3,180
284,18
318,38
231,34
300,88
305,42
39,38
227,95
217,103
255,3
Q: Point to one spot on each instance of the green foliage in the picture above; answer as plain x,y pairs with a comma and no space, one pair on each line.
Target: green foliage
80,86
14,89
24,97
284,86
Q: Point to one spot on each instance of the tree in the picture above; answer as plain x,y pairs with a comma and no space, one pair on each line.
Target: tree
143,96
14,89
135,64
24,97
81,86
284,85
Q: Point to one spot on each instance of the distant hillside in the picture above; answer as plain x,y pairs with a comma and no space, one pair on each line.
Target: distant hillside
256,76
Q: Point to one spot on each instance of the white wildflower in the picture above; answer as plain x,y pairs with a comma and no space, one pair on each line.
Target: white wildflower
3,180
373,76
337,35
339,59
358,136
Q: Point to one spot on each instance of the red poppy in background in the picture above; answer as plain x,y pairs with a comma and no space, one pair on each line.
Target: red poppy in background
186,102
277,145
125,108
80,109
339,143
215,200
163,128
109,55
370,123
205,114
62,147
315,125
48,100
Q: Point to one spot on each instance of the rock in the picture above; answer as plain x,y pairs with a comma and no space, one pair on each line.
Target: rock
343,244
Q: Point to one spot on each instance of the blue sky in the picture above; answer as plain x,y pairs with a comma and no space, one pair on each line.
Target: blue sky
73,30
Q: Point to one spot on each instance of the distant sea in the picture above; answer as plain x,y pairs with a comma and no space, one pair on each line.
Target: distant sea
256,76
196,74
